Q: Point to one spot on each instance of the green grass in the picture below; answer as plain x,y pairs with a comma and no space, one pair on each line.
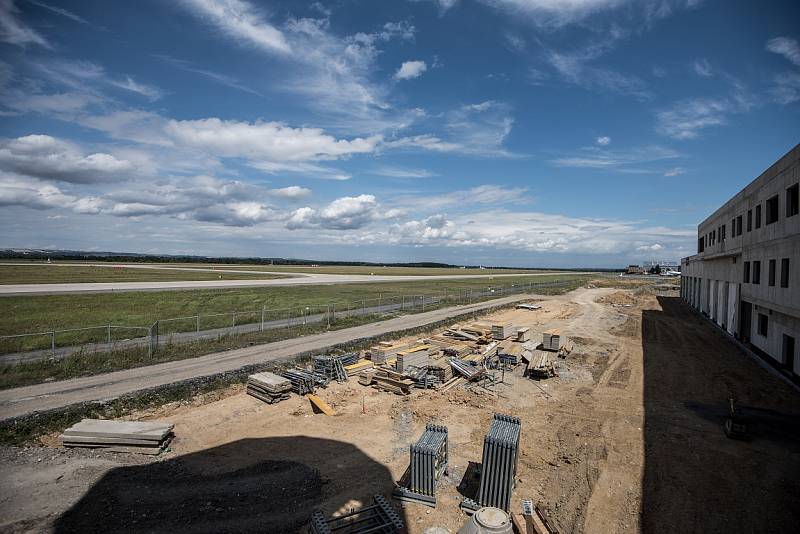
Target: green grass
86,363
57,273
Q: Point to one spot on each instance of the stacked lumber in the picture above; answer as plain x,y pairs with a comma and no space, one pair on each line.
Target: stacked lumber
540,366
502,331
443,371
411,359
523,334
142,437
268,387
553,340
378,355
458,333
387,380
359,367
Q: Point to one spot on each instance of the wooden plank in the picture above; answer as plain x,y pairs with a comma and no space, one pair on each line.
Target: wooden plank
321,404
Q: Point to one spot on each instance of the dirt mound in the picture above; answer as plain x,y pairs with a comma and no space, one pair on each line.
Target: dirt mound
618,298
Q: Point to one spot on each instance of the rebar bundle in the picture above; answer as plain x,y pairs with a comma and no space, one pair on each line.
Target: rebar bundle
304,381
499,465
428,463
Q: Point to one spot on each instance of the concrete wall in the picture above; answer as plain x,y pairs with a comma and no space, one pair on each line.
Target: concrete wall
713,280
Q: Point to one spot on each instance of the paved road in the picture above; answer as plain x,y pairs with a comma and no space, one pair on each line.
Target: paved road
289,279
53,395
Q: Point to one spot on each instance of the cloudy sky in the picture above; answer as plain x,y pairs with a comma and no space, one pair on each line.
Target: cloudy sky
505,132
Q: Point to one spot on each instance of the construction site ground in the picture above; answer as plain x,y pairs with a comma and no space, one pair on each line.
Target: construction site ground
627,438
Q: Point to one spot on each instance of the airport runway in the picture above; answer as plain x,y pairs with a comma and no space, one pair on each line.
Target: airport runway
290,279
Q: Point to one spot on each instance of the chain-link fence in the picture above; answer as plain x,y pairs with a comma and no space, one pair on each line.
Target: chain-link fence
58,343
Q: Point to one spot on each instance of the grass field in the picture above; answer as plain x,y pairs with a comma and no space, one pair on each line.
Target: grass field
87,362
88,271
57,274
55,312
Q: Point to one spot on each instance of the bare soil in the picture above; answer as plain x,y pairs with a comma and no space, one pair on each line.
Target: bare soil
628,438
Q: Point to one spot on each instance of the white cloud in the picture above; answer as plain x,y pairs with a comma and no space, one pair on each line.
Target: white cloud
14,31
787,47
557,13
45,157
603,141
242,22
675,171
129,84
655,247
222,79
786,88
346,213
291,192
687,118
490,194
398,172
703,68
265,140
60,11
601,158
410,69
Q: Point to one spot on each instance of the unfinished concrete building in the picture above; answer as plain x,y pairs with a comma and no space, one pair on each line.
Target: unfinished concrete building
746,273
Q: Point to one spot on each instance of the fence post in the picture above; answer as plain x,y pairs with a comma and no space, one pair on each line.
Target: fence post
263,311
198,323
109,334
333,312
53,343
423,302
328,315
233,321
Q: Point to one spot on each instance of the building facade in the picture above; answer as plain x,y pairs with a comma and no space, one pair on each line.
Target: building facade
746,273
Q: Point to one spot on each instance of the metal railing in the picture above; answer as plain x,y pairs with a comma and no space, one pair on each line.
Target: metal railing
58,343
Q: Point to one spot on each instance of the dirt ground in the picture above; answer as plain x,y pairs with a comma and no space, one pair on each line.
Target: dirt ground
628,438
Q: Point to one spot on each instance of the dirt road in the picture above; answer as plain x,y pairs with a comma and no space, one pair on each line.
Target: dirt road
47,396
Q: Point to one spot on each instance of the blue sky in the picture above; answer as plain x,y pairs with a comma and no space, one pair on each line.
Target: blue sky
498,132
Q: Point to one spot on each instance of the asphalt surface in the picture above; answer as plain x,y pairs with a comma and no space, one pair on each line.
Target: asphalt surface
289,279
53,395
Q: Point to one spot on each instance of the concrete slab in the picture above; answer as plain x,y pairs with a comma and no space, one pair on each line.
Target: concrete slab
149,430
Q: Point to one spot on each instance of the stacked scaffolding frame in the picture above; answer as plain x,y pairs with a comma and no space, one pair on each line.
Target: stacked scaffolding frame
427,465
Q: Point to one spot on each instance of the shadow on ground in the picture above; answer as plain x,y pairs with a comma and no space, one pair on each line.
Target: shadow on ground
695,478
250,485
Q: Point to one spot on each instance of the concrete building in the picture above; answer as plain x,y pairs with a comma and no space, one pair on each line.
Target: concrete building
746,273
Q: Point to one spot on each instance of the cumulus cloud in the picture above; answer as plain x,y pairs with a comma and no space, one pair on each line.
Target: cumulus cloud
410,69
346,213
268,140
46,157
603,141
291,192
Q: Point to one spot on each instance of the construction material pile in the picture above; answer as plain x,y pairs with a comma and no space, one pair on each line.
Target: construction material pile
305,381
466,369
387,380
268,387
418,358
540,366
333,366
553,340
143,437
499,465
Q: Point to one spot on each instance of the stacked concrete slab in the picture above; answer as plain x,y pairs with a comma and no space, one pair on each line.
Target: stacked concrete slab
143,437
502,331
553,340
268,387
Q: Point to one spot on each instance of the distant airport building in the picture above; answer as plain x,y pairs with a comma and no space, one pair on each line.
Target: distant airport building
746,273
